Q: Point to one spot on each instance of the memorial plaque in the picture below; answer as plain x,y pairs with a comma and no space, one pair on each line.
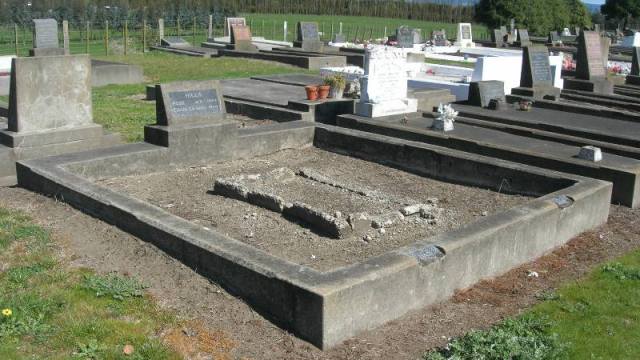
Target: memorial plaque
589,63
308,31
189,102
635,62
482,92
230,21
174,41
536,70
466,32
404,36
45,34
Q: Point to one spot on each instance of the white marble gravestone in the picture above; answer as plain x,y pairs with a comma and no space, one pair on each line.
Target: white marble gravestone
465,36
384,84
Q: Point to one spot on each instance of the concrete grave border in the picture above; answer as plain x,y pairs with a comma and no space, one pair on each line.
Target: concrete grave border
326,308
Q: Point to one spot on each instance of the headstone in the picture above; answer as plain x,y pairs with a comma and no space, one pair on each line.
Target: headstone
554,38
174,41
590,72
536,79
241,38
482,92
308,37
50,93
189,102
228,22
416,35
404,37
632,40
161,29
497,38
634,76
339,38
465,36
384,84
503,29
523,37
439,38
577,29
45,38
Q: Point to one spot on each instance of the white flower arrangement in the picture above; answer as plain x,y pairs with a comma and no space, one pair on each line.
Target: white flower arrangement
444,121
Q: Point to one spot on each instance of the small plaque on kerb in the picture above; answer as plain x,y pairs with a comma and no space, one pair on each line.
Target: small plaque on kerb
427,254
563,201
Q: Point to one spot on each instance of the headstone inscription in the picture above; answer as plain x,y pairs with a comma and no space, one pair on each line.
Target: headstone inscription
439,38
230,21
384,84
241,38
45,38
189,102
523,37
465,36
634,76
308,37
404,37
536,79
591,74
482,92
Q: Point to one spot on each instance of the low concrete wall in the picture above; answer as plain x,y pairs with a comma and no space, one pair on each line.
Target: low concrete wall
327,308
303,61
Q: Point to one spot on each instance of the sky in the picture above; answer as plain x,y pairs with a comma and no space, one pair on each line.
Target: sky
598,2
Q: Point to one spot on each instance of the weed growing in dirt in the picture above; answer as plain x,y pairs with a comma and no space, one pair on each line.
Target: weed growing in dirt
113,286
525,337
622,272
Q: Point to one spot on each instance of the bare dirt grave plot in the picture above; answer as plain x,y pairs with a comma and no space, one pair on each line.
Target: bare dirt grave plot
87,242
333,184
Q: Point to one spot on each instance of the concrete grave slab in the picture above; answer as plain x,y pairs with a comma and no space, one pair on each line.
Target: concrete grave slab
327,307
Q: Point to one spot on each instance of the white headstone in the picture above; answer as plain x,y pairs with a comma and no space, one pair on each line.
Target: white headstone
465,36
384,84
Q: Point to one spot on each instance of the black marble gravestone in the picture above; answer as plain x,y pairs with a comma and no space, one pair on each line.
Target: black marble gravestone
482,92
634,77
536,79
189,102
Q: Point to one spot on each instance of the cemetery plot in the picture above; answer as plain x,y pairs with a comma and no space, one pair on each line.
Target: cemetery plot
363,209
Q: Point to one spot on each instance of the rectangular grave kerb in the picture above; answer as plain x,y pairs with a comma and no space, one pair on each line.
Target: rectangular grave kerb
327,308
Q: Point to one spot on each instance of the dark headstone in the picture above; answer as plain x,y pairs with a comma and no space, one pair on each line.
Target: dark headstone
189,102
536,79
523,37
554,38
404,36
439,38
482,92
241,38
45,35
174,41
634,76
497,37
308,37
230,21
589,62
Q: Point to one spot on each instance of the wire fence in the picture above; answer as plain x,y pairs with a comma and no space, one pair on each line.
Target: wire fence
105,39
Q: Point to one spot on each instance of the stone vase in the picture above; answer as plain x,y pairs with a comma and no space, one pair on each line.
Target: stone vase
336,92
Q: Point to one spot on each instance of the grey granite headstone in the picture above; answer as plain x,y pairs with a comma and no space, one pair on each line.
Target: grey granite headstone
189,102
536,70
554,37
308,37
404,36
45,34
51,92
523,37
482,92
497,37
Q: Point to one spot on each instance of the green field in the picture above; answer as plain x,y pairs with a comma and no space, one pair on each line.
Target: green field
269,26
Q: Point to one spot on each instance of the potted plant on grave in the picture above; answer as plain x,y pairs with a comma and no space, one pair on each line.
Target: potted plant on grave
312,92
337,84
323,90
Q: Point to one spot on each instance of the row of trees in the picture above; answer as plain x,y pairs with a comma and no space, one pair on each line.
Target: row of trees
77,11
538,16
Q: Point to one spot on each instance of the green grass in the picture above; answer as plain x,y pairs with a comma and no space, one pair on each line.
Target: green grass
56,311
597,317
121,108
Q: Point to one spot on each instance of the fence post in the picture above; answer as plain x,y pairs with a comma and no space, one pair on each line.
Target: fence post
106,37
284,25
160,29
178,22
15,32
144,35
87,37
126,35
210,29
194,30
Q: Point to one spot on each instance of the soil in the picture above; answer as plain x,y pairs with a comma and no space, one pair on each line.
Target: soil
242,333
186,193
